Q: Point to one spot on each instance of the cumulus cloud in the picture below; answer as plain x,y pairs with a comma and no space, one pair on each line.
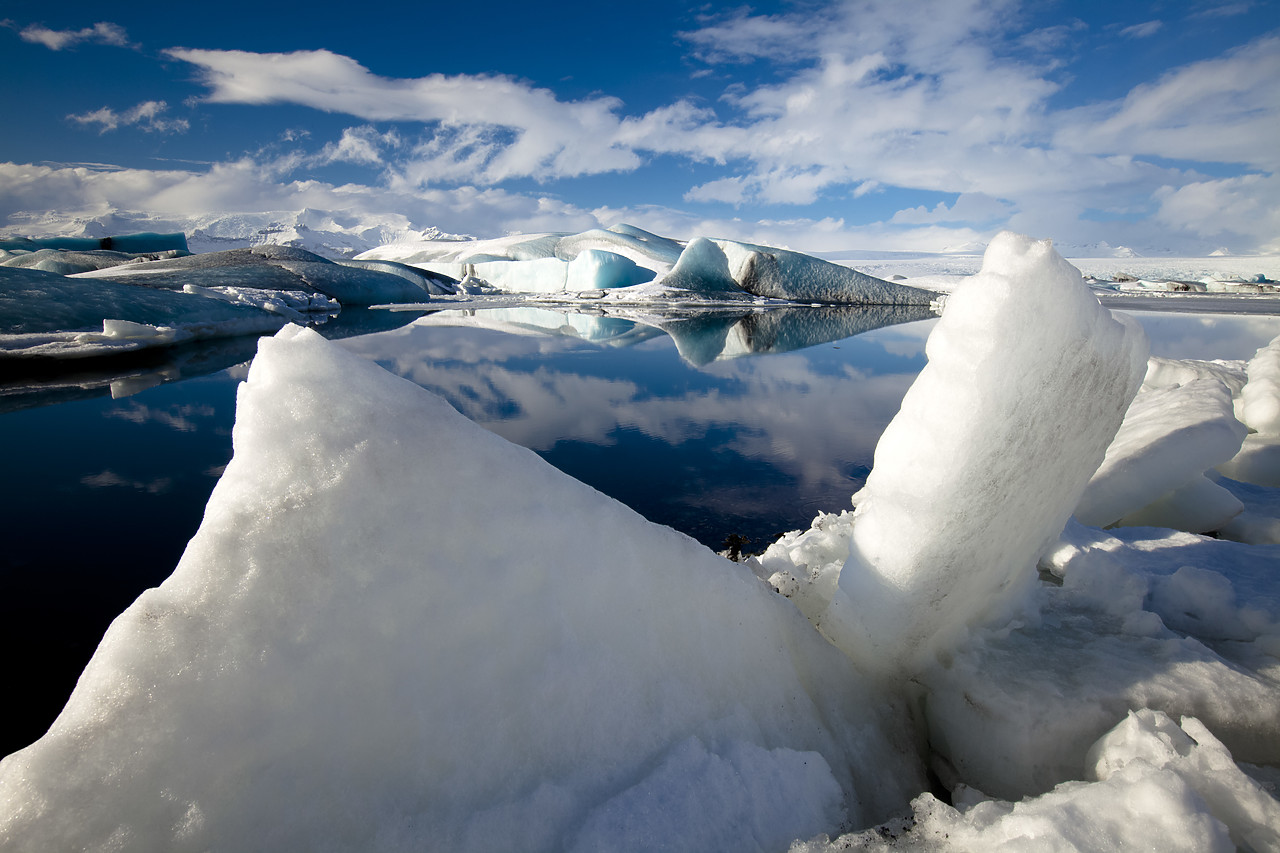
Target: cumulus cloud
853,98
549,138
145,115
100,33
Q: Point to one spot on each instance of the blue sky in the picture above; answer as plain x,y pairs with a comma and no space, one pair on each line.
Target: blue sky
866,124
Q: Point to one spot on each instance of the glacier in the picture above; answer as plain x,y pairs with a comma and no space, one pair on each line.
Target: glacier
394,630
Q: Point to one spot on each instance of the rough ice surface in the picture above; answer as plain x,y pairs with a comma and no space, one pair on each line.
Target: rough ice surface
274,268
66,262
140,243
716,268
1180,790
782,274
1259,407
394,630
969,486
1153,473
50,315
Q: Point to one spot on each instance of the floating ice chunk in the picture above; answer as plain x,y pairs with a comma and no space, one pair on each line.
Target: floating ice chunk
703,268
646,250
394,630
272,267
65,262
437,284
293,305
782,274
1153,470
45,315
984,463
595,269
141,243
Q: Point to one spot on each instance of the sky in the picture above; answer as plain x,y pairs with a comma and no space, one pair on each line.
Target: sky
897,125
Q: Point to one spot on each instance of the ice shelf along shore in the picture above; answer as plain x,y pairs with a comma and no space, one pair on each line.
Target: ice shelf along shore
396,631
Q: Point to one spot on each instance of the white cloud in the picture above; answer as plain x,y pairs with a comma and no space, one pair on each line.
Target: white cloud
1242,209
359,145
551,138
1143,30
145,115
969,207
1218,110
100,33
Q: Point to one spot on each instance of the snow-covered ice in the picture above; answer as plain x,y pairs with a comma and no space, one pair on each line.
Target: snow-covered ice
395,630
369,645
626,256
970,482
50,315
274,268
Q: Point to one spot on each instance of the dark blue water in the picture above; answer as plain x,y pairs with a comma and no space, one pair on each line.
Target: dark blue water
721,426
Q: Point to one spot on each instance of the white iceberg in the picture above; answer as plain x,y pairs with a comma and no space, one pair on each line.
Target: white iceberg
396,630
273,268
45,315
625,256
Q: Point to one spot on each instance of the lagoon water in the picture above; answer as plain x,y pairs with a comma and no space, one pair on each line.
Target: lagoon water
715,425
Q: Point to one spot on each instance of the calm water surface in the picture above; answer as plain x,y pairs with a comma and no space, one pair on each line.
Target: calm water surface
716,426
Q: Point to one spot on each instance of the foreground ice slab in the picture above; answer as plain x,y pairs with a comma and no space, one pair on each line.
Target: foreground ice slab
1027,382
394,630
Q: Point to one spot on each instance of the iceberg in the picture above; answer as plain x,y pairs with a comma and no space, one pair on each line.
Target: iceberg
624,256
395,630
272,267
65,262
144,242
45,315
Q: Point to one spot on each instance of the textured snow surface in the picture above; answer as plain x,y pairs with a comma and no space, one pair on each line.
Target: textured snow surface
1179,788
982,466
395,630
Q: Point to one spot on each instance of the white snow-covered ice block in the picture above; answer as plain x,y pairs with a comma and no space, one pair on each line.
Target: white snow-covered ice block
1160,619
1153,470
1027,382
1152,784
45,315
395,630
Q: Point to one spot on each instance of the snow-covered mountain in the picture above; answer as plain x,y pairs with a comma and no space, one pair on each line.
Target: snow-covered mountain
329,233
